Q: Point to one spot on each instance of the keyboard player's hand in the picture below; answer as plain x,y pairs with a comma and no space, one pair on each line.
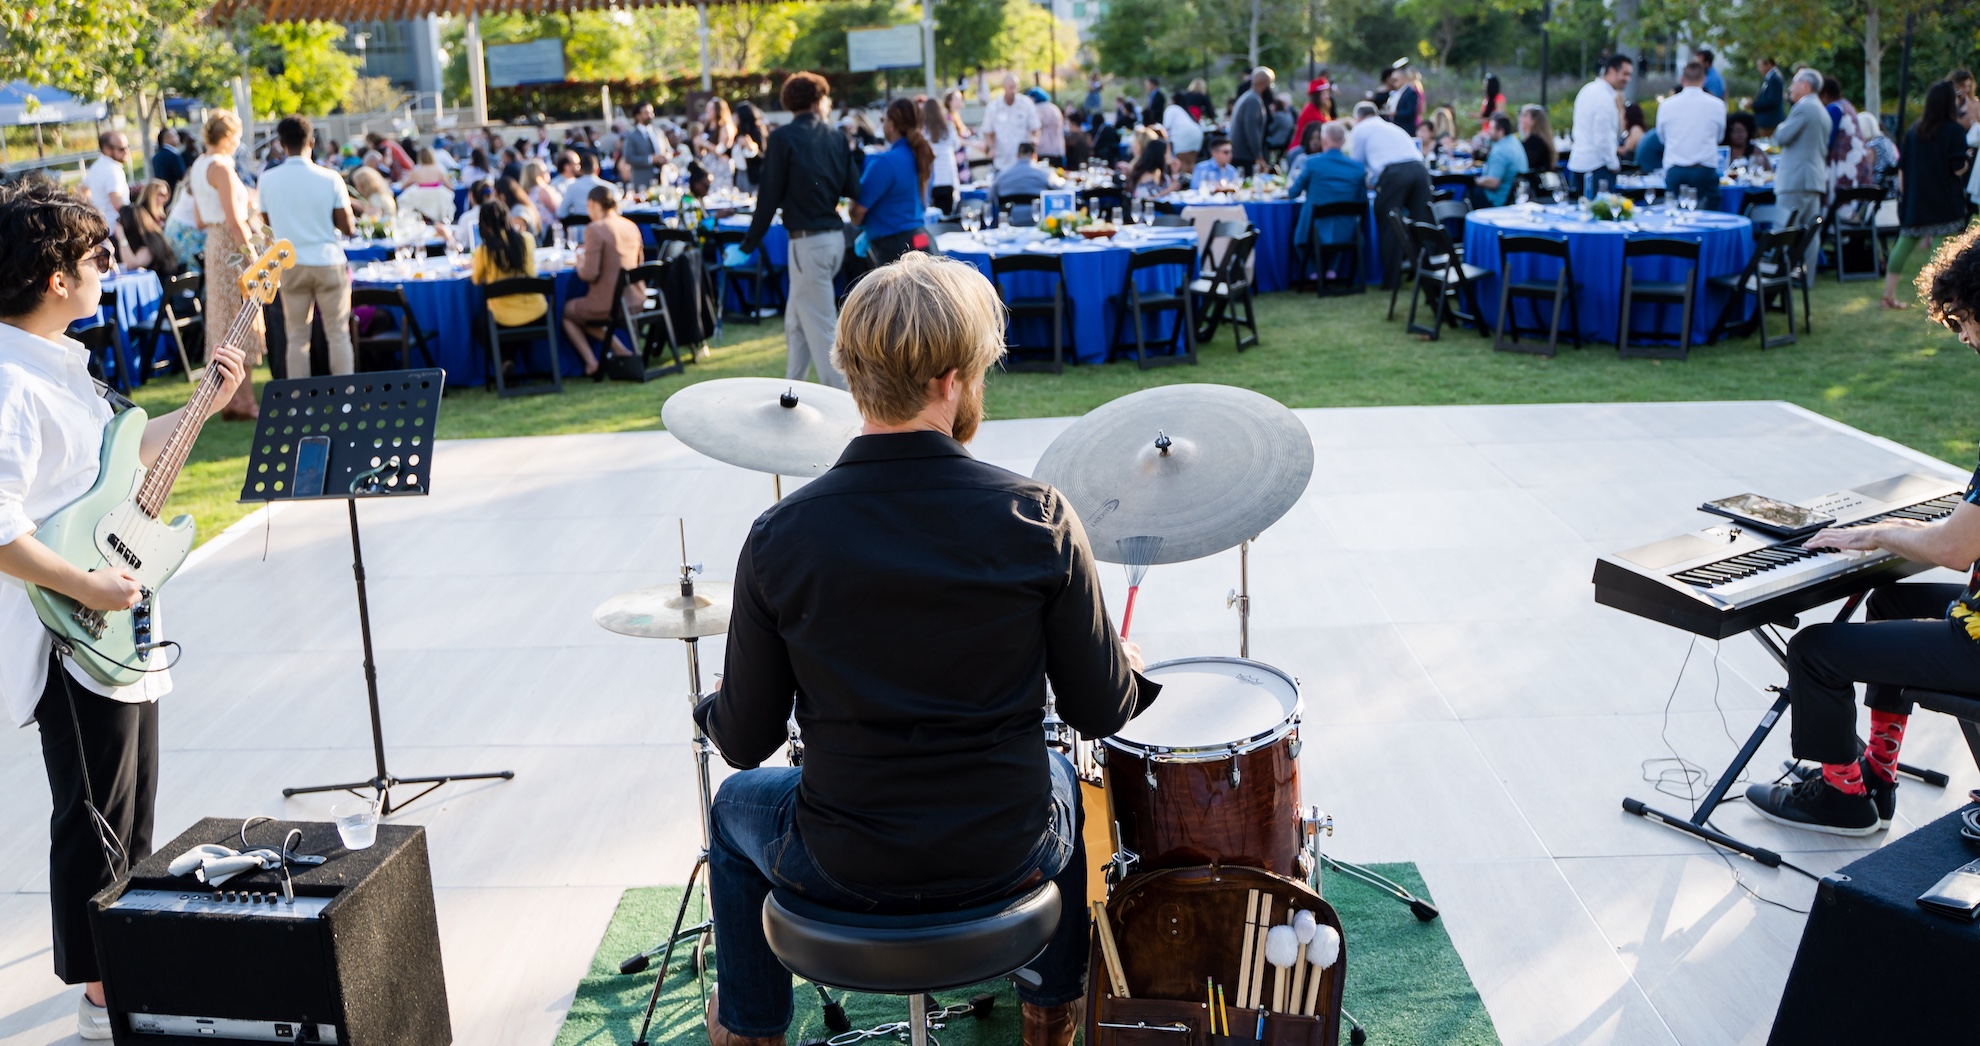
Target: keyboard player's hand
1861,538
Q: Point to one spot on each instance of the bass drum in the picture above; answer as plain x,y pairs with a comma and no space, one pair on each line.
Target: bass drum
1210,774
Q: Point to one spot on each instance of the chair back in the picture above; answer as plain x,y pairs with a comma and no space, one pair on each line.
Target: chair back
381,298
1171,221
1232,268
1773,250
1429,240
1013,199
1754,200
1528,243
188,282
1770,214
1161,257
1660,247
1025,261
1810,233
1856,207
1105,198
516,285
434,250
670,243
1343,209
1459,182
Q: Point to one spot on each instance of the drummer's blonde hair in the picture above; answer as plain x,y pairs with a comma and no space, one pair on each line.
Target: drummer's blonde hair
908,323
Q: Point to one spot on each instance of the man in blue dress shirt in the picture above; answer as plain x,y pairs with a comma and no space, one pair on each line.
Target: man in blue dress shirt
1328,176
1715,85
1505,163
1218,169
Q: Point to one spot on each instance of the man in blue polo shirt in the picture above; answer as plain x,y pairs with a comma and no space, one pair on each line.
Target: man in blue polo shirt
1217,170
1505,163
893,189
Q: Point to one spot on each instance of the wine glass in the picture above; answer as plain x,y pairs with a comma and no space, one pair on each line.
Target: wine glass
1687,199
1649,197
1560,197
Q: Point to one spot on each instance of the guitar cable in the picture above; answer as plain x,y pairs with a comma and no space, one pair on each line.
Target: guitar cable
116,859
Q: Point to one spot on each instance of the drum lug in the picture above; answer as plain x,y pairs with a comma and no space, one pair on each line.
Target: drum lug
1100,754
1292,748
1315,822
1121,866
1234,766
1148,772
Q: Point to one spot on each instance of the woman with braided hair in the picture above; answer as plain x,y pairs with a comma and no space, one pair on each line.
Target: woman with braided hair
893,190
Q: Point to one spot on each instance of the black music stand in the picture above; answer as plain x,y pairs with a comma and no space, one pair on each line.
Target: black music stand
373,434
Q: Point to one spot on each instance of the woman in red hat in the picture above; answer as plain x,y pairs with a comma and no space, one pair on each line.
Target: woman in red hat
1319,107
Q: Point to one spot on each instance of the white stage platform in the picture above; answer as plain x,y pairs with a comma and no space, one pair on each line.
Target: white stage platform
1469,707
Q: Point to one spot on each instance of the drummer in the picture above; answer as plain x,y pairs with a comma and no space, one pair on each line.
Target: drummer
911,603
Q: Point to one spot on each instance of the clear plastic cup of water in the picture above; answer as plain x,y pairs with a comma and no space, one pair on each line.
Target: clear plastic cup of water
357,823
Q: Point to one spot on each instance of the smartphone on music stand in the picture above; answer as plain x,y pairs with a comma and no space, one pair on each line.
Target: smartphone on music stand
1768,515
312,465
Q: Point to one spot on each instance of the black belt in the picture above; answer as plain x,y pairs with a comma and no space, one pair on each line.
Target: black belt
798,234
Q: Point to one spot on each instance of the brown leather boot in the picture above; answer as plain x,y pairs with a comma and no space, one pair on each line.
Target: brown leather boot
720,1036
1051,1025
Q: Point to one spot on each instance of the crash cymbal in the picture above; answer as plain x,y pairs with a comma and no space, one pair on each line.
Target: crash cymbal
1179,472
787,428
662,612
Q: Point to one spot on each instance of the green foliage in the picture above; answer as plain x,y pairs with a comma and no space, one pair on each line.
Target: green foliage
820,41
966,33
1029,37
195,61
297,68
1137,38
747,35
1179,38
79,46
1369,34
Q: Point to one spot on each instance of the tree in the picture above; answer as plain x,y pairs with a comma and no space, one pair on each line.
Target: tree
79,46
965,32
296,67
820,39
747,34
1369,34
1137,38
1031,38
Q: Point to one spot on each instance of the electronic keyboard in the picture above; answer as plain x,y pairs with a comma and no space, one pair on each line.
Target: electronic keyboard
1724,580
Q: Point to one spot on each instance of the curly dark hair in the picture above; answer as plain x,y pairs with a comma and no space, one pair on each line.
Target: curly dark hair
44,230
802,91
1950,284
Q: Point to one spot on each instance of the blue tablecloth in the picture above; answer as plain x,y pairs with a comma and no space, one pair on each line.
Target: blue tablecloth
1094,273
1725,244
1731,197
1278,264
358,252
452,308
138,296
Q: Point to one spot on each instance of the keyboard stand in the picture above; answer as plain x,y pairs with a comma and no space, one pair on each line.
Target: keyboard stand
1698,824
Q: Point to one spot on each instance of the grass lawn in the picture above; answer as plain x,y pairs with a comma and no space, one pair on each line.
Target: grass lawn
1894,374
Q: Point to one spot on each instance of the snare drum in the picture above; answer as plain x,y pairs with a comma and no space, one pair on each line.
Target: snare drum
1210,773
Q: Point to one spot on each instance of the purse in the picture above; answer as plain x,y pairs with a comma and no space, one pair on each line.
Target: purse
1177,926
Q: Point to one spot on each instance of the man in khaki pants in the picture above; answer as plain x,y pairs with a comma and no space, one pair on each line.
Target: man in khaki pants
308,206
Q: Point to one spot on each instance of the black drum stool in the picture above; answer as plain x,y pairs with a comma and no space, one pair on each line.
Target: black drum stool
911,954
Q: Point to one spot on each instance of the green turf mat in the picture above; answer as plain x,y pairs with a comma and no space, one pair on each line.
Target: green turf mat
1405,982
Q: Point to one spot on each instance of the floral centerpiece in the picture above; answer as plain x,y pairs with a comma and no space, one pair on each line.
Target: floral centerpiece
1060,226
1265,182
374,228
1611,207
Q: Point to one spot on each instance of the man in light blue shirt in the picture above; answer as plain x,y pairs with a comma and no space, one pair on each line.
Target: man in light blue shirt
1217,170
308,206
1505,163
1024,177
1715,85
580,187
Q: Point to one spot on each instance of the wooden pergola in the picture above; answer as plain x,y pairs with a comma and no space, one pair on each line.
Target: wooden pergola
472,10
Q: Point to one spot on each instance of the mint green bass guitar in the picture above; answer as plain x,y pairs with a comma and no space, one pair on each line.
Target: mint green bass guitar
117,525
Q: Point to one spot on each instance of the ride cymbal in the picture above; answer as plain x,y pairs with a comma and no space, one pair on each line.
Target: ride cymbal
787,428
661,612
1179,472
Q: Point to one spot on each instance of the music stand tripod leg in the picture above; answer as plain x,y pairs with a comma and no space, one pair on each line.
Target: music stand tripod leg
382,782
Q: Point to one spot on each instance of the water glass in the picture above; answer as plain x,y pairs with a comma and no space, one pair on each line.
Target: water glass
357,823
1687,198
1649,198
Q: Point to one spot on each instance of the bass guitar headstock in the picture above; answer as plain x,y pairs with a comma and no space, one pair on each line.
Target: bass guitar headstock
262,279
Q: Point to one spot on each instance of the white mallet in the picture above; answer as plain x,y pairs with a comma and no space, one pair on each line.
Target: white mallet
1323,952
1303,924
1281,950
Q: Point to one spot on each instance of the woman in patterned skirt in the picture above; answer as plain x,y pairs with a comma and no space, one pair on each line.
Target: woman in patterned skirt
228,220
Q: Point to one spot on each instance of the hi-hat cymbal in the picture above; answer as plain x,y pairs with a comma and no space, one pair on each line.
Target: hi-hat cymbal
1179,472
788,428
662,612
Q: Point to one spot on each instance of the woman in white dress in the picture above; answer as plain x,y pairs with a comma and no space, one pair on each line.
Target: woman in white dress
942,136
715,143
228,217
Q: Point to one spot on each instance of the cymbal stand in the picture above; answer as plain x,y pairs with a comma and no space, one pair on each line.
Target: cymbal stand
1240,597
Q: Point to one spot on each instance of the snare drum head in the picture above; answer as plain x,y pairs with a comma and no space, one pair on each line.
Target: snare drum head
1213,702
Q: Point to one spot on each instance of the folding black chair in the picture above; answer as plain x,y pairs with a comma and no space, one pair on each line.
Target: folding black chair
1852,219
1458,185
1318,251
1055,307
1227,287
756,280
405,336
100,341
1682,293
572,223
1136,305
1768,273
1760,198
1451,215
433,250
1021,205
1104,202
181,291
1442,273
1171,221
1560,291
508,345
650,223
1803,275
640,326
1407,265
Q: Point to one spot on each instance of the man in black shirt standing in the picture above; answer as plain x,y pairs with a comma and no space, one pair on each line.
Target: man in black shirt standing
915,650
807,169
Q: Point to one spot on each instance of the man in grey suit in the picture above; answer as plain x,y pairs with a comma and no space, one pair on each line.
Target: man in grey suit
1801,175
1248,122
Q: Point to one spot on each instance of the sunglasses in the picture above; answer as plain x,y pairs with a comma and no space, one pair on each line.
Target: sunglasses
102,259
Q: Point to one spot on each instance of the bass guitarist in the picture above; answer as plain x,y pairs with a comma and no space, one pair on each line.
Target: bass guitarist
100,744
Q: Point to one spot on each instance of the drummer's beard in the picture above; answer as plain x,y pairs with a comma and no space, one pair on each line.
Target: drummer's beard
969,413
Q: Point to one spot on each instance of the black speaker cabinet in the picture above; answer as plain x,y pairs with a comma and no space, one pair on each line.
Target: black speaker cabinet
355,960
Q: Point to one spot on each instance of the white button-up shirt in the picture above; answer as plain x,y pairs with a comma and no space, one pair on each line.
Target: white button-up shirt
1598,129
1691,123
1377,143
1011,123
298,196
104,177
51,437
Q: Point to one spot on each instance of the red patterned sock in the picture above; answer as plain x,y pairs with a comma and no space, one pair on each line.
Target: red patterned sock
1886,736
1846,778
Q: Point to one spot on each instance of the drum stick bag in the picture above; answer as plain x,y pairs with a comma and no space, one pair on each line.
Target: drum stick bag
1177,926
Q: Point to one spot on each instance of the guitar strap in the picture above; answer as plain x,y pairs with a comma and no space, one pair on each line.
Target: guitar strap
119,403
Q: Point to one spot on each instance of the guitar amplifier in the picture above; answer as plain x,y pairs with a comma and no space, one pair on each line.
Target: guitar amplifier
355,960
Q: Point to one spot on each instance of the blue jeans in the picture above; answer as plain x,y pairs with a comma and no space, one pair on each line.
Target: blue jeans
756,844
1700,177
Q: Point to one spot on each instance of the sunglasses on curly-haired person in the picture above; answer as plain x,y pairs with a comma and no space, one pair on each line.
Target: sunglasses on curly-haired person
102,259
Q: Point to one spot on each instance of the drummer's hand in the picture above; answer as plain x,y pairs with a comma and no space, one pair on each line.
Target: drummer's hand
1133,651
233,370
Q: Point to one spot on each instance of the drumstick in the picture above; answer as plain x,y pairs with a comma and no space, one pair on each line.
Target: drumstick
1108,951
1244,955
1258,956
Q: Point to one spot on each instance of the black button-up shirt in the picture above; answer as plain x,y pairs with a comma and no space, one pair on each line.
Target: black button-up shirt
914,601
807,169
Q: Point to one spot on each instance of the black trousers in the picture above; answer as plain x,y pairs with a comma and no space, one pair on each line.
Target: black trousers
942,198
885,250
1401,187
1907,641
121,740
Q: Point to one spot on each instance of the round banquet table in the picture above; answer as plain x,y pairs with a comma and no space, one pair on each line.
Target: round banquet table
450,306
1725,243
1095,271
357,252
1732,198
1277,263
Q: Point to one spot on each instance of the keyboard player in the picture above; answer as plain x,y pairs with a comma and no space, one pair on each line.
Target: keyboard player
1925,635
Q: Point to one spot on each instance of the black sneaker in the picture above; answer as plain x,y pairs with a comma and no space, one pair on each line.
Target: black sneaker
1814,805
1883,794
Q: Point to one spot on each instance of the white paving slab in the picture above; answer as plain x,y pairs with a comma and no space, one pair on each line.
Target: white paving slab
1468,706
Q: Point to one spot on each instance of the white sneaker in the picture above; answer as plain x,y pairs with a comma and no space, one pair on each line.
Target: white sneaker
92,1021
